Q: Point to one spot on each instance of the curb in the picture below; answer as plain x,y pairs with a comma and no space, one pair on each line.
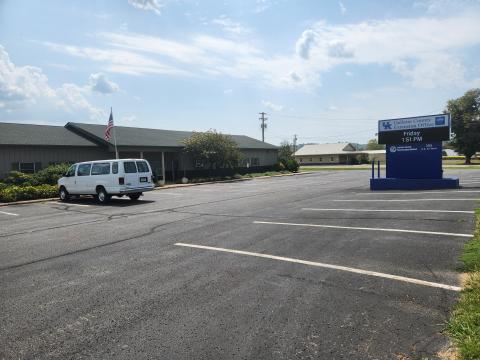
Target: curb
167,187
27,202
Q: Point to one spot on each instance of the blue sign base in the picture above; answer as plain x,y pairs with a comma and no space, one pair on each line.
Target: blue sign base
413,184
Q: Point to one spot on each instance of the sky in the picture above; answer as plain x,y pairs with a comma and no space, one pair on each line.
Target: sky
324,70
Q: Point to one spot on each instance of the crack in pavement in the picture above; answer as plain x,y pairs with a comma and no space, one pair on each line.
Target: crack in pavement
73,252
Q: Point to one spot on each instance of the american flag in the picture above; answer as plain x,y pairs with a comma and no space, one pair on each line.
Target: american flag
108,130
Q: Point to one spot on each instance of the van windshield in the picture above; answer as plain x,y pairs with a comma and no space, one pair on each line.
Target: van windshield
71,170
129,167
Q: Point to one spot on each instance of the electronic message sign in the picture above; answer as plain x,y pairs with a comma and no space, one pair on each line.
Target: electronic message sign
414,153
414,161
421,129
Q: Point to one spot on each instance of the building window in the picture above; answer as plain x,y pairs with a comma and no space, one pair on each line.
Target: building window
311,159
331,159
320,159
301,159
255,161
27,168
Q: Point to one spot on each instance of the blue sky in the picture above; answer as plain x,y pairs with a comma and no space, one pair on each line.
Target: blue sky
324,70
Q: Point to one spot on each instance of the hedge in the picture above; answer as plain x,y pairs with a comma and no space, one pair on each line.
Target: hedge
18,193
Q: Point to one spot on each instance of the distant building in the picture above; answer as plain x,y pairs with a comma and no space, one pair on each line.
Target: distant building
29,148
339,153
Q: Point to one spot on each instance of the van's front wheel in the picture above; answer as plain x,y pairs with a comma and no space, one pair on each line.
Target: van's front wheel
102,196
63,194
134,197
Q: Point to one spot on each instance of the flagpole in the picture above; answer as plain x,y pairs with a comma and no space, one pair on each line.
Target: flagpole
114,135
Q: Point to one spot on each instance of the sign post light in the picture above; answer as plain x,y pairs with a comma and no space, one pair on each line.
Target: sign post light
414,153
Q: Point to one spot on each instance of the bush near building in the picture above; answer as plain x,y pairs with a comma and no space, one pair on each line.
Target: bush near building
18,186
19,193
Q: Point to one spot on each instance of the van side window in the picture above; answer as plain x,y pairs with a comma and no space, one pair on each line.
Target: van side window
101,169
115,168
71,171
142,166
129,167
84,169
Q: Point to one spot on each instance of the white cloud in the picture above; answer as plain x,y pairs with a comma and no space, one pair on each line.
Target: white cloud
343,9
305,43
20,86
149,5
128,120
433,70
272,106
228,91
428,45
120,61
445,6
339,50
27,87
72,98
415,48
230,26
348,73
262,5
100,83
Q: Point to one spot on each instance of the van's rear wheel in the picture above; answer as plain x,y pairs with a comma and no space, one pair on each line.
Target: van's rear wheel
134,197
102,196
63,194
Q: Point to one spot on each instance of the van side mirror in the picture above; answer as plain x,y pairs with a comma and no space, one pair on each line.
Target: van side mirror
66,174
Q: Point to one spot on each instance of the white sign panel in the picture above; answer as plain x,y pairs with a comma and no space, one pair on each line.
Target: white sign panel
420,122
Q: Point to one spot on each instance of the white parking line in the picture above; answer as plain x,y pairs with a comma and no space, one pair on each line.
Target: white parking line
8,213
72,204
364,228
327,266
406,200
393,210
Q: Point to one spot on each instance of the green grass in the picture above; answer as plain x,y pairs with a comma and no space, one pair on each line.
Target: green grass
369,167
464,323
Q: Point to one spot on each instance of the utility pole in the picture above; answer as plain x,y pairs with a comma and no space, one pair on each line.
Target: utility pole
263,125
294,143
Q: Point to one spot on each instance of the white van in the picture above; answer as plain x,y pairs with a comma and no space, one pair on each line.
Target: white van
106,178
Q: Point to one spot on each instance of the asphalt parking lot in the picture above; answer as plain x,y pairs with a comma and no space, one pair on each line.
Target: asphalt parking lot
306,267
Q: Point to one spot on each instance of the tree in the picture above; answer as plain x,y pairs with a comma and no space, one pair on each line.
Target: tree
374,145
214,149
285,152
465,116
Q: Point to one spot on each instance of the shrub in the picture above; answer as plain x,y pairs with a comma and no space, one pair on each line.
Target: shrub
363,159
237,176
49,175
292,165
17,178
279,166
18,193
